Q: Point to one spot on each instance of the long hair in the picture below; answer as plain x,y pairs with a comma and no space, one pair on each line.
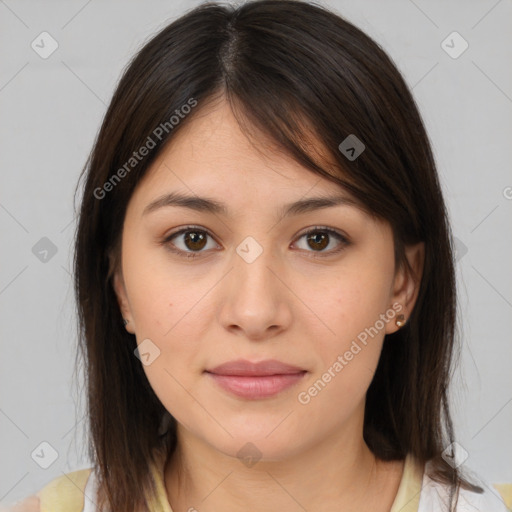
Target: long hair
289,69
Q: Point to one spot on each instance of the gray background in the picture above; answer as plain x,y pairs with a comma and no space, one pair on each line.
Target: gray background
51,110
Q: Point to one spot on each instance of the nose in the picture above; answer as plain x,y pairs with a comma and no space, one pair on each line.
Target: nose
255,301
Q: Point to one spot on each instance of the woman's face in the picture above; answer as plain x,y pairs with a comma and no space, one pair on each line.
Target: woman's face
257,288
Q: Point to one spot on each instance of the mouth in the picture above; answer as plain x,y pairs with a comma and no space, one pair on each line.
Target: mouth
253,381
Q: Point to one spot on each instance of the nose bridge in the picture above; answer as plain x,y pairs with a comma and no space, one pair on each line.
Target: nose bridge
254,301
252,262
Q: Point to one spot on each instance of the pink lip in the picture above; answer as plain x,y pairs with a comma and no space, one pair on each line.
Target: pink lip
245,368
256,380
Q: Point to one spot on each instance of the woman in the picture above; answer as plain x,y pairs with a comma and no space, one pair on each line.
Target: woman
265,279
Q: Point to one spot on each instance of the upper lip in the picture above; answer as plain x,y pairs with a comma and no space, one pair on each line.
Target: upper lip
244,367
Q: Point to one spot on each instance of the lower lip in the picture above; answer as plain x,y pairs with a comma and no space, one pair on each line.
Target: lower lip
254,387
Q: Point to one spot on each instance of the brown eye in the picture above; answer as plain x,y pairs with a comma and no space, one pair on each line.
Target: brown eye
188,242
318,239
195,240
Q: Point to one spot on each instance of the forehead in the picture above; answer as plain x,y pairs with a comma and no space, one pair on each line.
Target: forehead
211,155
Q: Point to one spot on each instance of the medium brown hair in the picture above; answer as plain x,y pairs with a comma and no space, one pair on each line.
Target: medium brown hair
289,69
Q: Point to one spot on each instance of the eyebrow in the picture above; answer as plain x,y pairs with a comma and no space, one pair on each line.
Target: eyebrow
210,205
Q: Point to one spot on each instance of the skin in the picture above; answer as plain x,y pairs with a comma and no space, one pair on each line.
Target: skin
287,305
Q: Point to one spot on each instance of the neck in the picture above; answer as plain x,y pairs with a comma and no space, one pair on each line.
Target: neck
340,473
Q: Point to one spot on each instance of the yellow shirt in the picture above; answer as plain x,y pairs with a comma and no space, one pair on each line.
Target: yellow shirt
66,493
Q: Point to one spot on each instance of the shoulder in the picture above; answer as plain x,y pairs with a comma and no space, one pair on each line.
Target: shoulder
66,493
30,504
435,495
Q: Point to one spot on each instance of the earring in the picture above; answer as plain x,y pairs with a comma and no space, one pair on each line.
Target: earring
165,424
125,321
400,320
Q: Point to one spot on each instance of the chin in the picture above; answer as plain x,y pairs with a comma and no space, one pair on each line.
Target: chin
249,452
256,445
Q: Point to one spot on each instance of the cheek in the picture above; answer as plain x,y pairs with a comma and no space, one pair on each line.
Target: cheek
349,351
168,311
355,301
346,359
162,296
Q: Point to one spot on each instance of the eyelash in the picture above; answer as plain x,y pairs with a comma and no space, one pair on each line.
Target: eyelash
344,242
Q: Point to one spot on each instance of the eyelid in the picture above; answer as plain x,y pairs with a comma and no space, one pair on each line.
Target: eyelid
318,227
187,228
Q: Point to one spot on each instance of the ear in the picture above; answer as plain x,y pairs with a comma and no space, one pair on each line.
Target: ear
407,283
122,299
